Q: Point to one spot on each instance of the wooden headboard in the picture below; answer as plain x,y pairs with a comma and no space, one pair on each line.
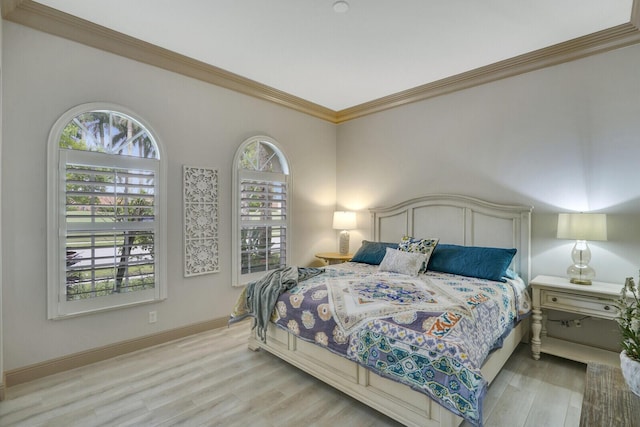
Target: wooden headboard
459,220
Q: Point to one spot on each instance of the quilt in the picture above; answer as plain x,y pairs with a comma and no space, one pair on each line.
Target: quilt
431,332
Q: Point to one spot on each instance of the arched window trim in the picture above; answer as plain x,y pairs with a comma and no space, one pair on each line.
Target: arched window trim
238,279
58,307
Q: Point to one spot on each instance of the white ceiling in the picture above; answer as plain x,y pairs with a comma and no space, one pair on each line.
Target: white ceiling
377,48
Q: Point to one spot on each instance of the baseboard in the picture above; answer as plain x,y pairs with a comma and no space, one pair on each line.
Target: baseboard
3,381
65,363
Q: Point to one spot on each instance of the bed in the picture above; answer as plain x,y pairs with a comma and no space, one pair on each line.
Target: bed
378,367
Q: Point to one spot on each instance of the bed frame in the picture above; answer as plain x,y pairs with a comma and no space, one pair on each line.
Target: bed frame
454,219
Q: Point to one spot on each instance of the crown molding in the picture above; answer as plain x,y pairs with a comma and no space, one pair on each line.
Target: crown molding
635,14
46,19
8,6
53,21
602,41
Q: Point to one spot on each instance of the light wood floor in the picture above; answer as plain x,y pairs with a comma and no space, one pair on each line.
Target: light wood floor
213,379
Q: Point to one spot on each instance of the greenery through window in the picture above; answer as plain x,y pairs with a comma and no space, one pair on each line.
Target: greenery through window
263,191
109,175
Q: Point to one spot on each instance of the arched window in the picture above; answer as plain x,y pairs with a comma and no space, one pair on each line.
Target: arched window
261,216
105,212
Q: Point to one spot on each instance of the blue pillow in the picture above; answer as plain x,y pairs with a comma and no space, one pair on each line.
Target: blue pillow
472,261
372,252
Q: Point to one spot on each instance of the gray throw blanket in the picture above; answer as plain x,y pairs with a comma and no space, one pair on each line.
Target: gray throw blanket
258,299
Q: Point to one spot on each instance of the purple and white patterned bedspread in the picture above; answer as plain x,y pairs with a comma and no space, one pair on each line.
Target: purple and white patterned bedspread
431,332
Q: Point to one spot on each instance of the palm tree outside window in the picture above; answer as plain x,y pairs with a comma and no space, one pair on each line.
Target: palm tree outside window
105,211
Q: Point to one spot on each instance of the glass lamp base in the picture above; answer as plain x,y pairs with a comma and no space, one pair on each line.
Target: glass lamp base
580,281
581,274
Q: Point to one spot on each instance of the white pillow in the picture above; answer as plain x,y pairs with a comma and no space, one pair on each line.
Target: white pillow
396,261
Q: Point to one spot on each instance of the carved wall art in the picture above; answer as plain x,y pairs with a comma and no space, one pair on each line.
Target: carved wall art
200,221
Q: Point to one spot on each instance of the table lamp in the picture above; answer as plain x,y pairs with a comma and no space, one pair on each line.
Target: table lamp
344,220
581,227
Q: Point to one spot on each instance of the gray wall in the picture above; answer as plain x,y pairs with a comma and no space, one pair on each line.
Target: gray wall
560,139
198,124
563,138
566,138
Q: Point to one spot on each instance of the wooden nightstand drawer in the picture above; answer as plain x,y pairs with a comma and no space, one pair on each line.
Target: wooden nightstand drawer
583,304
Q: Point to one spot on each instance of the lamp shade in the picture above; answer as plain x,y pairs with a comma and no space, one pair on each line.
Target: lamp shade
344,220
582,226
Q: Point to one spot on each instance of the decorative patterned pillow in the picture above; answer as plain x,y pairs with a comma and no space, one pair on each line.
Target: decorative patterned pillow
402,262
425,246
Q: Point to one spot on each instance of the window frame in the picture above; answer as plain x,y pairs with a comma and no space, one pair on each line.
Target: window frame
57,305
239,279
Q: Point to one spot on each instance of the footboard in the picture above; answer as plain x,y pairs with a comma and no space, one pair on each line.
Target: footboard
391,398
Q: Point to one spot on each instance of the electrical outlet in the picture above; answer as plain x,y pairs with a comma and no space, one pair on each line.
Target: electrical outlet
153,316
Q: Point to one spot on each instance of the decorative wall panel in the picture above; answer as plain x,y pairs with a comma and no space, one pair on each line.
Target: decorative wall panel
200,221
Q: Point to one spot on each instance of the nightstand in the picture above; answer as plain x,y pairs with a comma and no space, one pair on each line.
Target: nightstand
334,257
557,293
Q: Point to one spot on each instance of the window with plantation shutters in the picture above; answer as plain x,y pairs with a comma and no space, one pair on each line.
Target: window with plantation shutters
261,216
105,239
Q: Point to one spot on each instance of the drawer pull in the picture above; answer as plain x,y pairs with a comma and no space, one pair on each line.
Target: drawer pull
606,307
554,299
